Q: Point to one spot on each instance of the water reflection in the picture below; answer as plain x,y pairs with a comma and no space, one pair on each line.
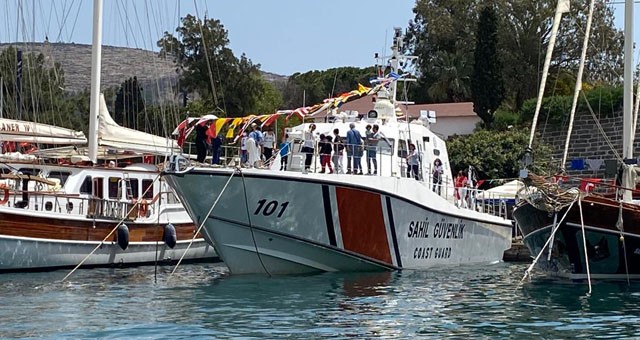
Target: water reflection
204,301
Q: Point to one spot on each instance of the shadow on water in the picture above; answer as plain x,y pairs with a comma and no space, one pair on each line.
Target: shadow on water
204,301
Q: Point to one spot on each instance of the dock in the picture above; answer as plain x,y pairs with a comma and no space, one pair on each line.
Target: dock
518,252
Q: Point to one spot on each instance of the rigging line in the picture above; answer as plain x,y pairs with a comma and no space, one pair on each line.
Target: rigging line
204,220
206,54
604,134
155,65
215,60
253,237
620,226
333,87
112,230
122,22
584,243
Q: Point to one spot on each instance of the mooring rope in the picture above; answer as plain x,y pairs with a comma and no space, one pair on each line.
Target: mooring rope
527,273
584,243
620,226
253,237
112,230
203,221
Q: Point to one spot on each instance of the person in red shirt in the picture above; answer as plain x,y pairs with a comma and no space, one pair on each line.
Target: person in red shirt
460,189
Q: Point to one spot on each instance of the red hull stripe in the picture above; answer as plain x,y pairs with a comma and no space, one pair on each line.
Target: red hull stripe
362,223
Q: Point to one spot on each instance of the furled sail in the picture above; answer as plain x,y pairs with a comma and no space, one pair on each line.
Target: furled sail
110,134
30,132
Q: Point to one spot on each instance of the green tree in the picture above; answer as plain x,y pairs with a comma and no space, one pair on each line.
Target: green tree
495,154
487,87
129,103
314,86
448,26
209,68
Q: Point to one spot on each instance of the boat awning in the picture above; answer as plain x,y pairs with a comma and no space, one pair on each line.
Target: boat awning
30,132
112,135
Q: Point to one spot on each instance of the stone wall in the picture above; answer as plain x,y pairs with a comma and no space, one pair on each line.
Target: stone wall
587,141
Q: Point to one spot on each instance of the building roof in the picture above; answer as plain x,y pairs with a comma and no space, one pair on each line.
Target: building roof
364,104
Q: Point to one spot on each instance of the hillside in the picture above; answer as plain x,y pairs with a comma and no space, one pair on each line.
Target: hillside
118,64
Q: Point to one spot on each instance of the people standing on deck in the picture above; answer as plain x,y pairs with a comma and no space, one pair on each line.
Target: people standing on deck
371,142
338,148
412,162
201,142
284,152
437,175
308,147
460,189
325,153
354,150
269,143
243,148
257,137
216,149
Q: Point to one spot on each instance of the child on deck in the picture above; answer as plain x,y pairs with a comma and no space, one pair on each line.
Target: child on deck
284,152
325,147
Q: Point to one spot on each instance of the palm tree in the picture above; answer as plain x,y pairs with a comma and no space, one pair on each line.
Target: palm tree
453,77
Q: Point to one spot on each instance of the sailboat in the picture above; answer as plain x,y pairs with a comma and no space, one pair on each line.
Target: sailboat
56,216
582,235
266,221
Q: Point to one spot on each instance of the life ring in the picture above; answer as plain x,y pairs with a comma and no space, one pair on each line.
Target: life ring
5,197
143,208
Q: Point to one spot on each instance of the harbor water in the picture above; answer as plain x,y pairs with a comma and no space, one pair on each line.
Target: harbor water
202,301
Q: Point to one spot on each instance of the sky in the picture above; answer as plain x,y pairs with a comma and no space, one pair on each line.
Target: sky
283,36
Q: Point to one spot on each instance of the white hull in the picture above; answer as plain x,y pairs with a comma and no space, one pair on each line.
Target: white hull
290,223
21,253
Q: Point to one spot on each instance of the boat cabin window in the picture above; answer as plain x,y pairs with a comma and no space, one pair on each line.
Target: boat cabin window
403,150
436,152
98,190
114,187
146,183
385,146
85,188
29,171
62,176
132,188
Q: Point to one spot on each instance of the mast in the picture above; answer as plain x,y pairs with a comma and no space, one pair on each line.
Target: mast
96,59
628,175
578,87
628,81
562,7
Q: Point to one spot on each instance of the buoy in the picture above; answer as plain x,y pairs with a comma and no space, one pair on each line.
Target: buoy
169,237
5,197
123,236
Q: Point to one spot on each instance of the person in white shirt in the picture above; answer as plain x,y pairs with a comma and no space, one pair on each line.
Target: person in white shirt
269,143
308,147
412,162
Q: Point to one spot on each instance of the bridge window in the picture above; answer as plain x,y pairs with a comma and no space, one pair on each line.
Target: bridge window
62,176
85,188
146,183
114,187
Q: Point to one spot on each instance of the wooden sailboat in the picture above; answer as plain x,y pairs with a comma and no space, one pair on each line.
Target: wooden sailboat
582,235
53,216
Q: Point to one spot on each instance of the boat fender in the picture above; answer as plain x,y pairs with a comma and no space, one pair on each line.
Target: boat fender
169,237
5,197
123,236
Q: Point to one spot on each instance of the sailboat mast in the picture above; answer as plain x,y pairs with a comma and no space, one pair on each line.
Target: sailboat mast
628,134
561,7
96,59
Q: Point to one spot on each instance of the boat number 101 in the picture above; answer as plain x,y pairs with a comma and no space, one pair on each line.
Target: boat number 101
269,208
